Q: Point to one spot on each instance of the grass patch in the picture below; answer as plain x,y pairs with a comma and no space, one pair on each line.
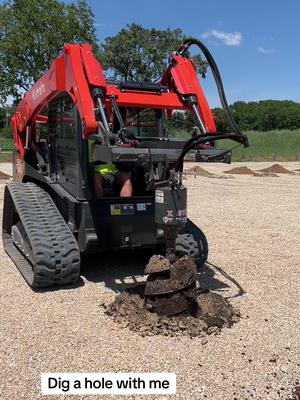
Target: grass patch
284,145
6,144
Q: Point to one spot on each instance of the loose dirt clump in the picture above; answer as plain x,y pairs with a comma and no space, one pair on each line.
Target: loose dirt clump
277,169
214,313
240,171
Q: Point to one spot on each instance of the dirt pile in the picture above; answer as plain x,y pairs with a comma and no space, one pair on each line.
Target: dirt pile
277,169
198,171
4,176
240,171
214,313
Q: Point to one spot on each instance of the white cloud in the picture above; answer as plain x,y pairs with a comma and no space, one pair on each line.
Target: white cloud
265,51
105,25
228,38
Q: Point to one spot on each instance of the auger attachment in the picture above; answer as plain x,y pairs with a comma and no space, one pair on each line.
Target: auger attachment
171,284
171,287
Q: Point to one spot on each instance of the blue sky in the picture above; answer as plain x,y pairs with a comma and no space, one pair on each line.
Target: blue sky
255,42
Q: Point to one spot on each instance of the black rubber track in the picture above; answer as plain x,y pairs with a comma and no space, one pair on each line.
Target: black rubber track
56,257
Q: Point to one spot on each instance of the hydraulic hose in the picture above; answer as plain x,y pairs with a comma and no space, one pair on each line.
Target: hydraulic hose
194,141
217,77
209,137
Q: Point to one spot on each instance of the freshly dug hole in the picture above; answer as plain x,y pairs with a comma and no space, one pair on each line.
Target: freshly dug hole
214,313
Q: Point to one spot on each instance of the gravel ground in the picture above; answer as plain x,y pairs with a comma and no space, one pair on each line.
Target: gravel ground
252,225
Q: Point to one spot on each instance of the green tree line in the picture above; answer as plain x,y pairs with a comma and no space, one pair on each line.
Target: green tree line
33,32
264,115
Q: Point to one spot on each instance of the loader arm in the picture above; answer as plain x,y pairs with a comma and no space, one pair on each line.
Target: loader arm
72,72
181,77
76,72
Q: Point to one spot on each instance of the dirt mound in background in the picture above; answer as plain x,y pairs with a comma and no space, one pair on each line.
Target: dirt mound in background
240,170
198,171
202,172
277,169
4,176
214,313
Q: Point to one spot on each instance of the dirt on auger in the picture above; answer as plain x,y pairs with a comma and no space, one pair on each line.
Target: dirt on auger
171,303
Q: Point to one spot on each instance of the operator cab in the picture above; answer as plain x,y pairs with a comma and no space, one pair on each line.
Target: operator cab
138,144
136,141
129,126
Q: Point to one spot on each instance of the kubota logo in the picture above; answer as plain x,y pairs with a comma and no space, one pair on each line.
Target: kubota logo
38,92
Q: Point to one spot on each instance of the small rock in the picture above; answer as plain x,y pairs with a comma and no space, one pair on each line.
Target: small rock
235,318
274,358
284,369
103,305
204,341
143,328
182,325
212,329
